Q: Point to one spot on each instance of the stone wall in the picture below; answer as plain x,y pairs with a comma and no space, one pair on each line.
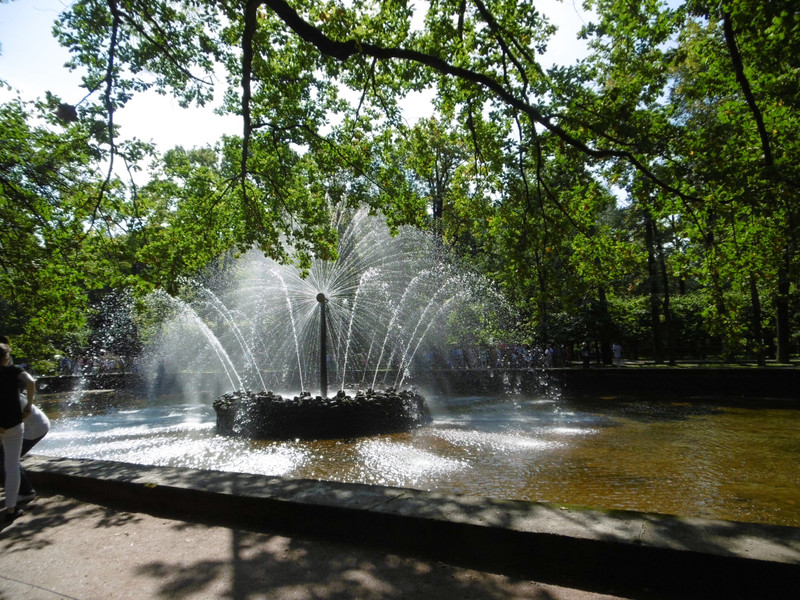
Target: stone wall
747,382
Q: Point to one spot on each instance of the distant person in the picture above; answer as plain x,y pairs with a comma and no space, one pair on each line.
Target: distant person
548,356
11,428
64,366
585,355
617,350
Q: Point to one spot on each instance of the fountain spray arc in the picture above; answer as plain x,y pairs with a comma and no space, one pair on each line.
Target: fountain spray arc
270,416
383,307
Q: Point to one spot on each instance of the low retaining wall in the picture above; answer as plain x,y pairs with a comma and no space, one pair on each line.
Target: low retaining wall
59,384
745,382
766,382
626,553
753,382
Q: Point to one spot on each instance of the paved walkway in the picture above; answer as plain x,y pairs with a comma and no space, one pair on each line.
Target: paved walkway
67,549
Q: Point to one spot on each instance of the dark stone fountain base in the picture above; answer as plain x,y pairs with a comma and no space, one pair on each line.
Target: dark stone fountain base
268,416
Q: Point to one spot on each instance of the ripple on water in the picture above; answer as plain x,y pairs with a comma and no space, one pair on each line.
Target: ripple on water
403,463
495,442
210,452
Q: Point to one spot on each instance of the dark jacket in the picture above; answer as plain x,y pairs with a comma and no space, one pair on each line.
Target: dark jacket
10,409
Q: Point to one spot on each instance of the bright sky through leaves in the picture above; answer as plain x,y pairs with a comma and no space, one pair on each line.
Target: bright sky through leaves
31,61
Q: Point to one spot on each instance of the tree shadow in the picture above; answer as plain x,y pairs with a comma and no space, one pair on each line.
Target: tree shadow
41,516
181,581
274,566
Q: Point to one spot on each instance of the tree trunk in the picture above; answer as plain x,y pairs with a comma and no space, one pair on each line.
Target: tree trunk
605,328
782,310
438,212
662,263
652,269
758,333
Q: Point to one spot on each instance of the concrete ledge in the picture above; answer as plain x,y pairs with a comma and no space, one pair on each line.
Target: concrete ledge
626,553
756,383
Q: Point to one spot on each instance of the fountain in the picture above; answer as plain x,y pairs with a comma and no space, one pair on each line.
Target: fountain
394,306
365,322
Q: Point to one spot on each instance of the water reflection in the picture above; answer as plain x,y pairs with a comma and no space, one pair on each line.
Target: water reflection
694,458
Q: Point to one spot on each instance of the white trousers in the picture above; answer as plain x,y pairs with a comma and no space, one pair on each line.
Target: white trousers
12,446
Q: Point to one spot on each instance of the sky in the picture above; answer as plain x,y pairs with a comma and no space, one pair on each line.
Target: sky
31,62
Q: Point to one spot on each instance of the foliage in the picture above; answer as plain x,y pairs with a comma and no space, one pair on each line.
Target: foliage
646,192
54,223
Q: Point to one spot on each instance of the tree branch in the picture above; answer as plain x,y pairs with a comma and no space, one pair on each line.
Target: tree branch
738,69
250,24
163,49
109,81
343,50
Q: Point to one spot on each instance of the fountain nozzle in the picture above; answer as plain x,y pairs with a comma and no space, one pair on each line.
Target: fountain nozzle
323,347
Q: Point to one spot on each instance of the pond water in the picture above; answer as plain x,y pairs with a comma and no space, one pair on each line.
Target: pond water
691,457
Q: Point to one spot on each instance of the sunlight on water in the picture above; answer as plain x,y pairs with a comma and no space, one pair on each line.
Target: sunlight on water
174,436
397,462
495,442
572,431
277,461
688,458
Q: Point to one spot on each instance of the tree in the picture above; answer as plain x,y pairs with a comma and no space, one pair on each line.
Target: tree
317,86
434,157
700,92
287,61
734,90
56,225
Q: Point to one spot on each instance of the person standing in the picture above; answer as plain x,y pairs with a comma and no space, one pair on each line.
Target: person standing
11,428
617,350
585,354
36,425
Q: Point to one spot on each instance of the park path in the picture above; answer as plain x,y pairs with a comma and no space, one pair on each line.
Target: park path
66,549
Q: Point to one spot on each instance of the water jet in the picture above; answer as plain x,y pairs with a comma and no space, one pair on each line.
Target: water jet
268,416
361,326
